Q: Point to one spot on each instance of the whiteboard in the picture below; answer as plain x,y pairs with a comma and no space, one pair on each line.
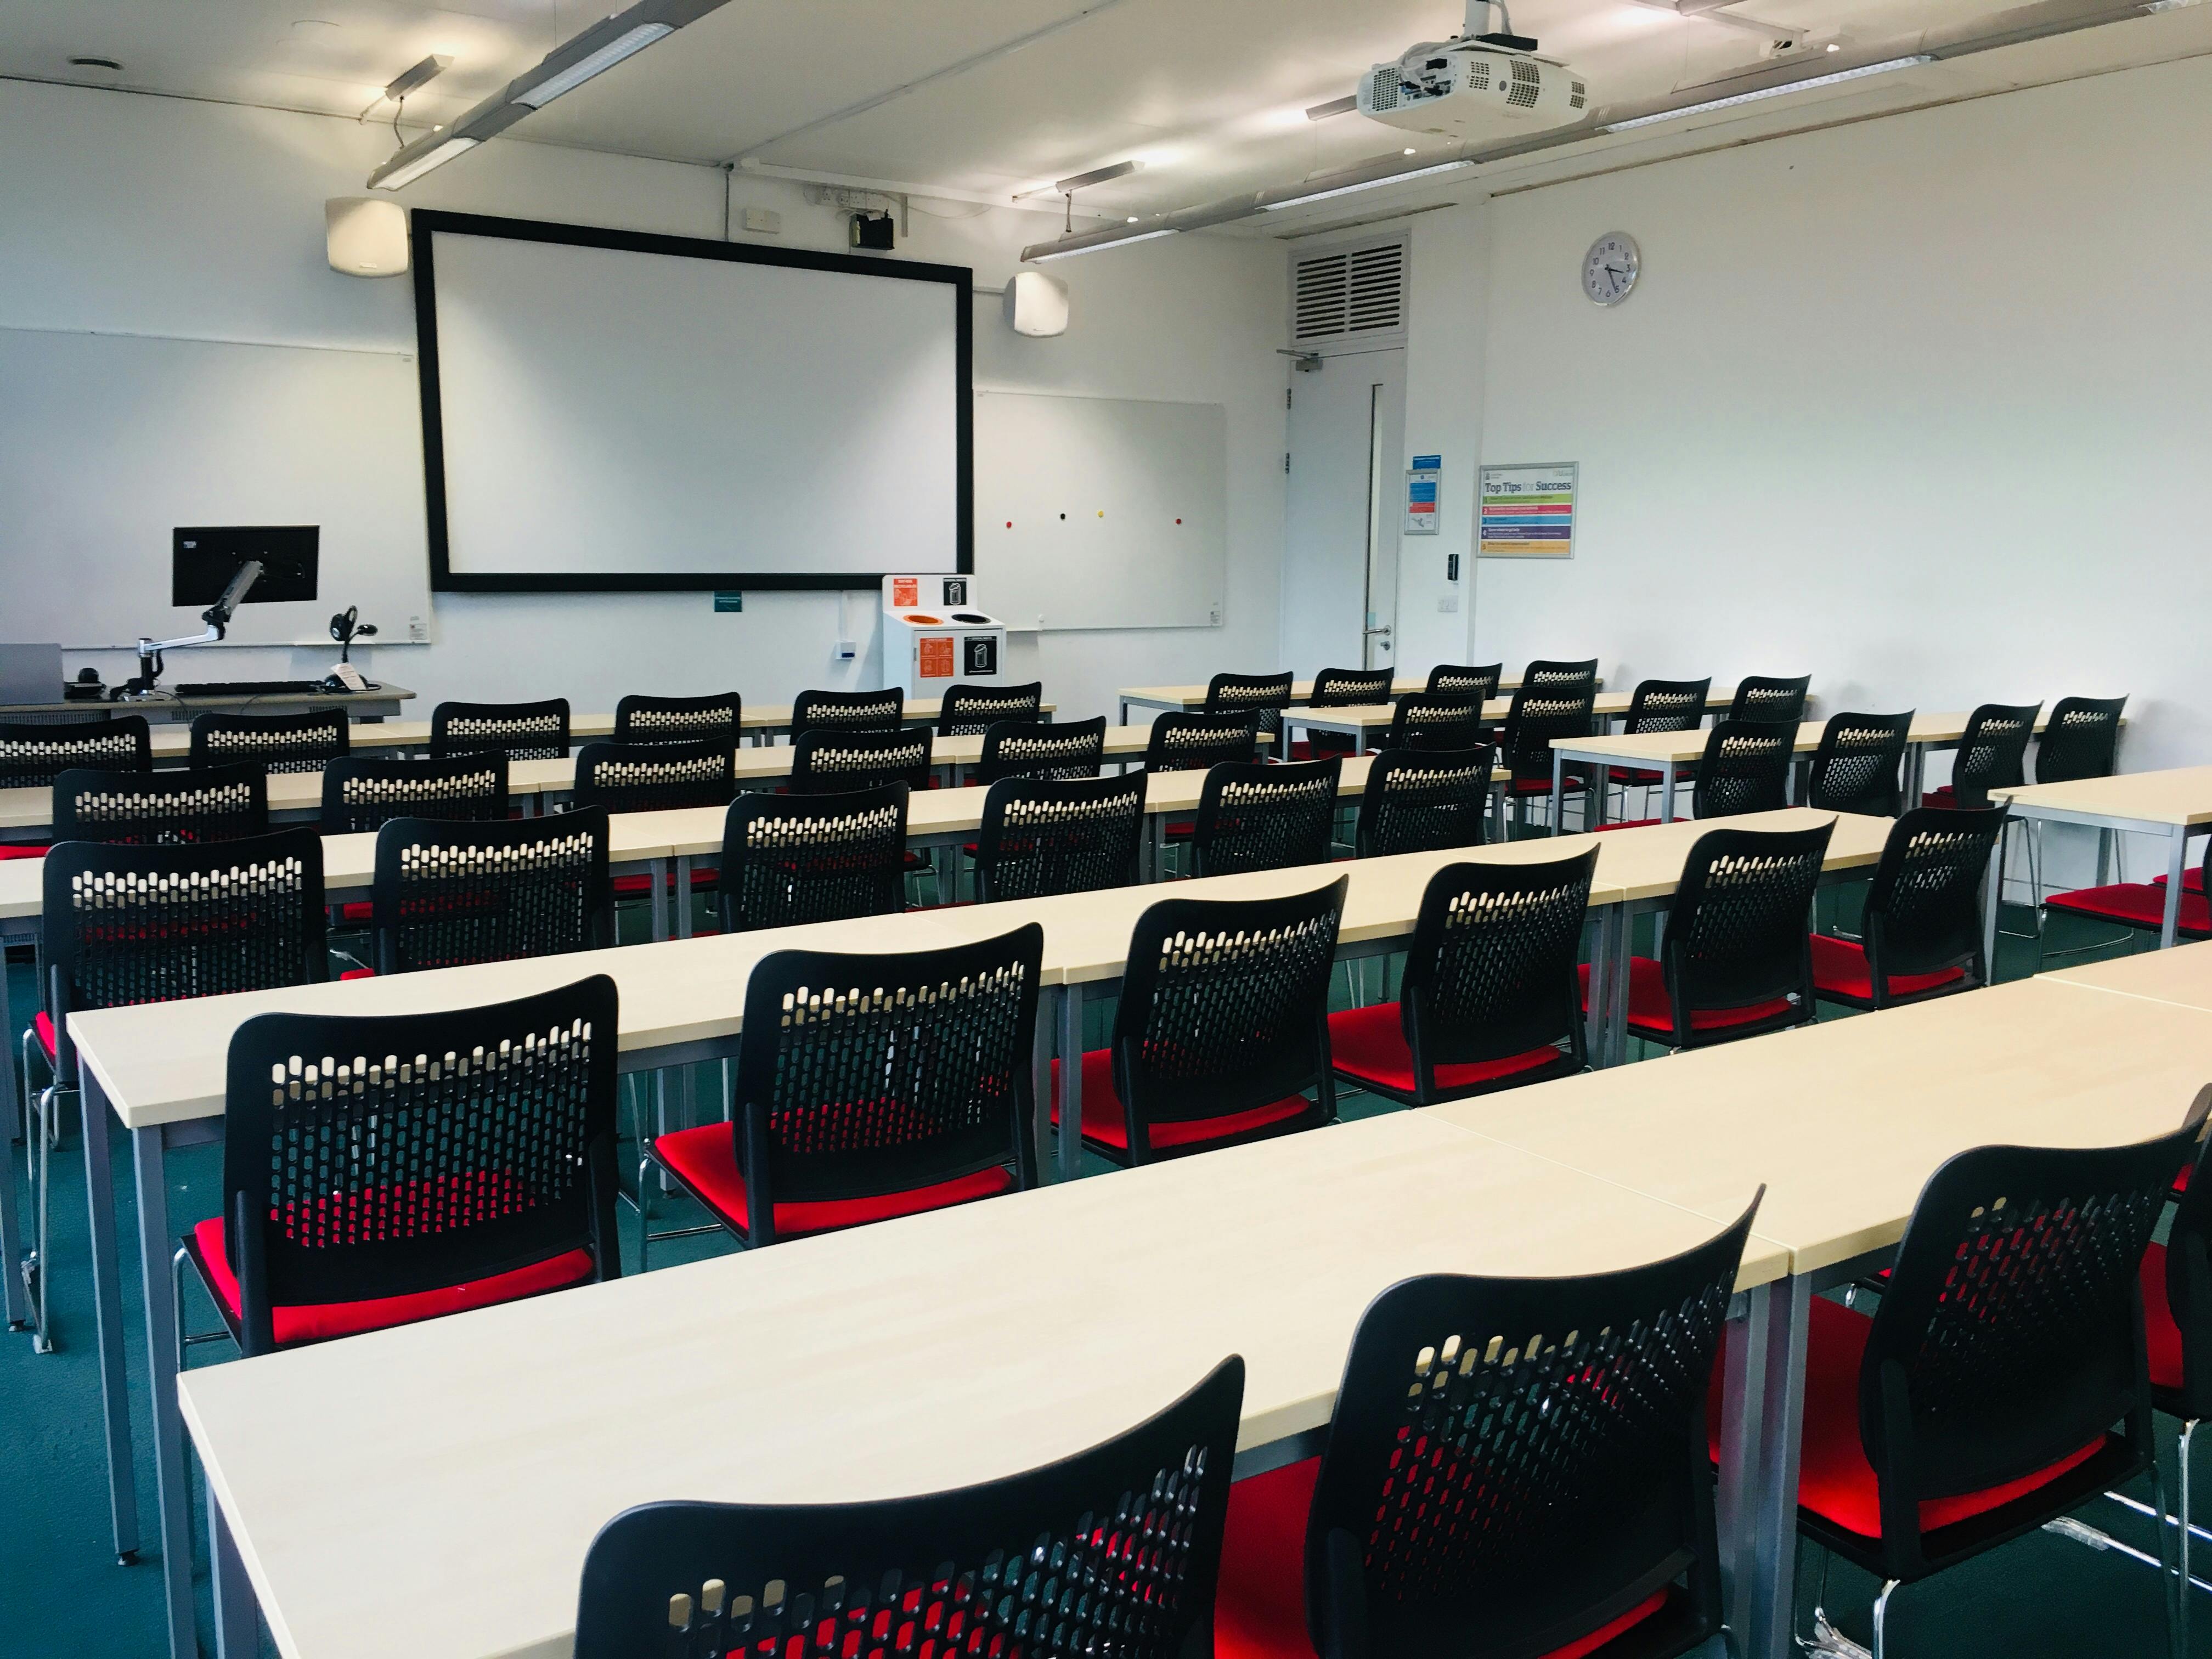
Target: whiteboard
108,441
1101,512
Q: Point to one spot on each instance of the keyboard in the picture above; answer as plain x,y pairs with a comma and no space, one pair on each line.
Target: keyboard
247,687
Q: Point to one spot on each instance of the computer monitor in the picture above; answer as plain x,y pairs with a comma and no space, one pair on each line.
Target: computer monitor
202,560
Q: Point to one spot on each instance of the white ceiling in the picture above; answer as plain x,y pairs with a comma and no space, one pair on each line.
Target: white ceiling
1210,94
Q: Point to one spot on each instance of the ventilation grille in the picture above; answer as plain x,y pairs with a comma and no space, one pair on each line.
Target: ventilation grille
1527,81
1349,293
1578,94
1382,86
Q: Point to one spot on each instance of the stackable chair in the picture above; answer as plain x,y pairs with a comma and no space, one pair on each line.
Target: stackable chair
33,756
1745,769
1991,755
449,894
1221,1027
161,809
868,1087
2177,1295
1423,721
1538,713
358,1194
1513,1468
275,743
793,859
680,720
846,711
1253,815
1490,999
1262,697
656,777
1736,958
363,793
1560,674
1761,697
1423,801
1045,835
1659,705
1182,742
1922,924
1464,683
1042,749
830,760
969,711
1978,1401
2139,906
1859,765
124,924
1340,688
521,731
2081,739
1136,1522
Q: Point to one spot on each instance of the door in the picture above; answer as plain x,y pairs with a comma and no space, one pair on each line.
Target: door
1348,437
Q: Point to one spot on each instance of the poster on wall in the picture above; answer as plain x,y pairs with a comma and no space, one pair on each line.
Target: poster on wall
1528,511
1422,479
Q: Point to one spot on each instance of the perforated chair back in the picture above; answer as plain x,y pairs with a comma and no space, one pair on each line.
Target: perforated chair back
449,894
1668,706
1264,696
1560,674
680,720
969,711
161,809
880,1072
123,923
1116,1550
1420,721
1515,1463
790,859
1042,749
848,711
1745,768
1859,765
1740,932
1423,800
2081,739
521,731
1993,753
1043,837
1255,815
1536,715
33,756
1224,1009
1184,742
655,777
1761,697
1347,687
1924,910
1491,973
363,792
828,761
1464,681
275,743
372,1158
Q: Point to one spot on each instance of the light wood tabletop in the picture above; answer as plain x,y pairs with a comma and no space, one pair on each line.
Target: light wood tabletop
479,1455
1646,862
1367,716
1656,748
2182,976
2181,798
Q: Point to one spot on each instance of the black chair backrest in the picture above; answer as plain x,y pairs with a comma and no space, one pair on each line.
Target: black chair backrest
1740,932
521,730
1559,674
171,808
2189,1288
349,1176
1041,836
124,924
1255,815
832,761
1421,721
2010,1330
1136,1522
448,894
655,777
1423,800
1490,972
275,743
1759,697
1993,753
848,711
1225,1007
32,756
1347,687
1924,910
1536,715
879,1073
969,711
1477,685
1668,706
1515,1463
2081,739
1264,696
1745,768
363,792
1859,765
790,859
1184,742
1042,749
680,720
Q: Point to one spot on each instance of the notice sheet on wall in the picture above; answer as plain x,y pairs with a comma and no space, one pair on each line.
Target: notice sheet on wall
1528,511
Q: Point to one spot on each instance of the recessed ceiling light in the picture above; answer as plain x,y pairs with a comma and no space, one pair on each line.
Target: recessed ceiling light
108,64
1409,150
1133,218
1833,47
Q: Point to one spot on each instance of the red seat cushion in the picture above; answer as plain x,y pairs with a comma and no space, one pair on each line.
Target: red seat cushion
707,1157
1943,796
2136,904
321,1321
1370,1043
1182,829
1105,1122
360,910
17,850
358,973
1649,1008
2161,1335
2192,881
42,1022
1642,779
1625,823
1259,1609
1840,965
1835,1480
630,886
1540,786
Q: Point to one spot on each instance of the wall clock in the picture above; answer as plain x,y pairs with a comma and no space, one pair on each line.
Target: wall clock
1611,267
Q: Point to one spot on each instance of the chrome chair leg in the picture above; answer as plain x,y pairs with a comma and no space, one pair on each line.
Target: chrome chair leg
2182,1579
1882,1617
177,1304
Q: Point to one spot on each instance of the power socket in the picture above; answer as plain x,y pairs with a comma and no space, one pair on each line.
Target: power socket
847,649
418,630
1449,603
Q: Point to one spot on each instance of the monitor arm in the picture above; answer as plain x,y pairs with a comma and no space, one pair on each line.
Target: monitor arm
217,616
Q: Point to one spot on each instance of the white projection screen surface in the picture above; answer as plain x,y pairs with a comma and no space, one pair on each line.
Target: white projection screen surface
604,411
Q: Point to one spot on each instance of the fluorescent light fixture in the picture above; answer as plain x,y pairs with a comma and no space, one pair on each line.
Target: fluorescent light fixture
1095,247
2171,5
626,44
1753,97
420,76
388,177
1364,184
1343,106
1080,181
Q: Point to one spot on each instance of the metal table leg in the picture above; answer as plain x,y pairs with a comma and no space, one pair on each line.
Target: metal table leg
1594,1016
1071,1081
1666,791
1559,794
1780,1360
1734,1516
1616,1013
237,1614
1040,1074
16,1303
1992,896
2177,862
108,1312
172,1496
683,896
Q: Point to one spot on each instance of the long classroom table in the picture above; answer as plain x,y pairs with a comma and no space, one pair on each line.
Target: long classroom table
1362,721
2172,804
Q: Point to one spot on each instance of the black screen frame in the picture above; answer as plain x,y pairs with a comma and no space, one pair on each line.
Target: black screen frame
426,223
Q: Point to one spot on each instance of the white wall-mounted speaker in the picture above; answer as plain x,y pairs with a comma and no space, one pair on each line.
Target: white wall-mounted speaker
365,235
1037,304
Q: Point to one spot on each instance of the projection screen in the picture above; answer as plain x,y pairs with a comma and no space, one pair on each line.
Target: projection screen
604,410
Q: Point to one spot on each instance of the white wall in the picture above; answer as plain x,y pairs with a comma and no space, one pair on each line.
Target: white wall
156,215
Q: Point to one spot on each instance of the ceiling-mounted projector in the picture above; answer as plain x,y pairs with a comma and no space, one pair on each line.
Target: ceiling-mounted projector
1474,86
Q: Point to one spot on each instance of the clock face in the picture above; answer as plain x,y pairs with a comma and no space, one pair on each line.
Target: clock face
1610,267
